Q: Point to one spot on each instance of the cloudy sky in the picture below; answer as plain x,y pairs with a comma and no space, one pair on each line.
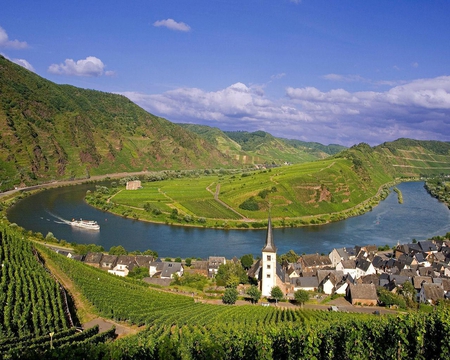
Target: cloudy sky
328,71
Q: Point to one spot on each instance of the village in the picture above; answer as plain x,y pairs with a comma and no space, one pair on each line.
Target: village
354,273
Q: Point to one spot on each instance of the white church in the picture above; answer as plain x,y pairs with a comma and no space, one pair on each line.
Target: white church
267,270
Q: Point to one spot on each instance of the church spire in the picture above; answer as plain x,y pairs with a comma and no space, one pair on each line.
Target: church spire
270,246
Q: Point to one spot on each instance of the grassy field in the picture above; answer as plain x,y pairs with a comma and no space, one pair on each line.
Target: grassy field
297,195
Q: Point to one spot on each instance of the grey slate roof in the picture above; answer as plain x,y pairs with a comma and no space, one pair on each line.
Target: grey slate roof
363,291
270,245
433,292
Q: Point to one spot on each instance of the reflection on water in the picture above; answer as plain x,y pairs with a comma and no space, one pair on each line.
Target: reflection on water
420,217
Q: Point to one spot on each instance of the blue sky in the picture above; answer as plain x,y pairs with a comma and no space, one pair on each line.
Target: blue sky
328,71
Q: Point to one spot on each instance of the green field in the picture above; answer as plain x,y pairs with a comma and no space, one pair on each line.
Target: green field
296,194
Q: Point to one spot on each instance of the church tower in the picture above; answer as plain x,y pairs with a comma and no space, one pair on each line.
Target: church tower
268,263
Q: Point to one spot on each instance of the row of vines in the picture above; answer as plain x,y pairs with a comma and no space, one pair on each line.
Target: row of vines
34,318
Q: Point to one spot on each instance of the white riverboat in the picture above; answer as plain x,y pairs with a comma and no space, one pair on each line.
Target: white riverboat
85,224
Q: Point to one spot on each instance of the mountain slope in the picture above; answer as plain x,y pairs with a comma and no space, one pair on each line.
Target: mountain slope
54,131
260,147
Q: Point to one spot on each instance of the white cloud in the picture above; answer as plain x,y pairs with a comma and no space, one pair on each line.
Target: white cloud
172,25
91,66
24,63
415,64
345,78
234,105
278,76
418,109
14,44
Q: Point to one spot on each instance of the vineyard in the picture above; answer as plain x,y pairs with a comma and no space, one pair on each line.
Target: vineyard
36,321
178,327
33,305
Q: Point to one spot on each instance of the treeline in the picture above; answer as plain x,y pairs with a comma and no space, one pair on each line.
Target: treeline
439,188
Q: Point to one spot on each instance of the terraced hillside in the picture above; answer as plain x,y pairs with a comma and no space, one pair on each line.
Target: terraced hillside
260,147
413,157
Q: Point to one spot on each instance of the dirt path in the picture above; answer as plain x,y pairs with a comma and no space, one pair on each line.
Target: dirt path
216,197
85,311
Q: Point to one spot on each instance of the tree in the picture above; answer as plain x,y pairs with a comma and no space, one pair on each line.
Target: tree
178,259
228,270
117,250
174,214
188,262
290,256
254,293
276,293
409,293
151,252
301,296
247,261
230,296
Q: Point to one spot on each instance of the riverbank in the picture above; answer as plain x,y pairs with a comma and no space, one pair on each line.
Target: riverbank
103,199
184,219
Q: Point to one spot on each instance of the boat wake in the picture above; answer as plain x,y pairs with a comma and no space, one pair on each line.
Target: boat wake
60,219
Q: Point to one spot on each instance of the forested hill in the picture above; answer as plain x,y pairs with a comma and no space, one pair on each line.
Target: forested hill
51,131
261,147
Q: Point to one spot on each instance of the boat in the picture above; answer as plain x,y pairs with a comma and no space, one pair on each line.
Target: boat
85,224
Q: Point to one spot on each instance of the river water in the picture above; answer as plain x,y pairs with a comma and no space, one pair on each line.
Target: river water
419,217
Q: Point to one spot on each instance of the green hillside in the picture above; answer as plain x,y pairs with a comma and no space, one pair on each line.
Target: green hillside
260,147
346,184
54,131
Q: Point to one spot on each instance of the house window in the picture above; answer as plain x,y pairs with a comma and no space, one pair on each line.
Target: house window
268,266
268,275
269,258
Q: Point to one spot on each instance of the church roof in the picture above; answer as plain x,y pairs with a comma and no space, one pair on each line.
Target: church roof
270,246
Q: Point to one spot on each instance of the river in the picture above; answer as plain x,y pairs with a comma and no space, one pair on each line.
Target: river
419,217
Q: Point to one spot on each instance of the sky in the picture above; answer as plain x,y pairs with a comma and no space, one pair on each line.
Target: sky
340,72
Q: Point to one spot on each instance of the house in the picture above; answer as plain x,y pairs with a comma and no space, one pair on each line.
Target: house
366,252
369,279
155,267
364,267
337,255
408,249
314,261
108,261
213,264
342,286
328,280
431,293
93,259
418,280
123,266
348,267
306,283
133,185
170,269
428,246
199,267
143,260
362,294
